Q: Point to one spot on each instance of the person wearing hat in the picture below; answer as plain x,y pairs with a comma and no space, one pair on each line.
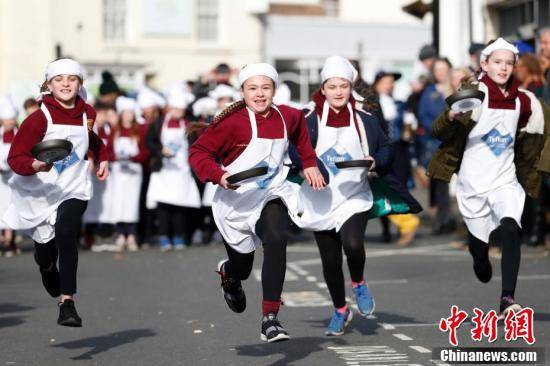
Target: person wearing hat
220,75
97,216
108,89
250,133
497,152
129,153
338,214
48,200
172,188
8,129
426,56
400,135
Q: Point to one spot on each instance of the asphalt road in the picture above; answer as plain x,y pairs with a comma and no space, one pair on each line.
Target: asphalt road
148,308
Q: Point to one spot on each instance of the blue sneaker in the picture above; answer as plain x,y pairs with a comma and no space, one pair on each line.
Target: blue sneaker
179,243
338,323
164,242
364,300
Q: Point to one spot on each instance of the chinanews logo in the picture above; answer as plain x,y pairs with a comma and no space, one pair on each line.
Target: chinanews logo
518,327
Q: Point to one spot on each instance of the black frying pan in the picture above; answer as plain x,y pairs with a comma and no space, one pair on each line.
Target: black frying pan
465,100
247,174
50,151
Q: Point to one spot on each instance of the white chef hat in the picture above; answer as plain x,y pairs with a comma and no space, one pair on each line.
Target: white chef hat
64,66
7,108
148,98
223,91
338,67
258,69
205,107
499,44
178,98
124,104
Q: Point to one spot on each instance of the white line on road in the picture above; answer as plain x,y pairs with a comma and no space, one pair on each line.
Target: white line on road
311,279
420,349
321,285
529,277
387,326
402,337
414,325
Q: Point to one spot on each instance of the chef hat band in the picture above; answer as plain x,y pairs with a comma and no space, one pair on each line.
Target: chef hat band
499,44
125,104
64,66
258,69
338,67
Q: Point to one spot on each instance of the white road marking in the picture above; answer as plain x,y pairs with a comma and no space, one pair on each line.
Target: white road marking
306,299
402,337
311,279
363,355
387,326
420,349
529,277
298,269
413,325
289,275
322,285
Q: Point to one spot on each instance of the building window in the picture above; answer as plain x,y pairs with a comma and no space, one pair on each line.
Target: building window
514,16
207,11
114,20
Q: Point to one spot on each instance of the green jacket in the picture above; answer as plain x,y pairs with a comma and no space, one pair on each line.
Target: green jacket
532,150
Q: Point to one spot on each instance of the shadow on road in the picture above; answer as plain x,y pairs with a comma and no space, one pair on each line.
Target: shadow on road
13,308
105,343
11,321
293,351
541,317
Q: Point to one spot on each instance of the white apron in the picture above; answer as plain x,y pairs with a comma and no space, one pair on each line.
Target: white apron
126,176
99,208
174,184
208,194
5,174
237,211
35,198
487,188
348,192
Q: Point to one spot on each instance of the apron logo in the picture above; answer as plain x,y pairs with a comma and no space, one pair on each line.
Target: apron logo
496,141
70,160
331,157
264,182
174,147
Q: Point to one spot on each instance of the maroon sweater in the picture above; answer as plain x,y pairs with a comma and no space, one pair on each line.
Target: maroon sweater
8,136
33,129
143,154
226,140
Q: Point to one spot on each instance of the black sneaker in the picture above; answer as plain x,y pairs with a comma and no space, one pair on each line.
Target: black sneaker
232,290
68,315
508,303
272,330
50,280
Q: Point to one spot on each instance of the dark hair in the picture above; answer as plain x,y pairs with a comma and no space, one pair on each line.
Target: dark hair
108,84
30,102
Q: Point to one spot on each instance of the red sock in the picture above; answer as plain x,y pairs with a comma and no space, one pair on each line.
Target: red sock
355,284
270,307
343,309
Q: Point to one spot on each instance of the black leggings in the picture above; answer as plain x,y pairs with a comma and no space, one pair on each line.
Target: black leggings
67,229
508,235
272,230
330,243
